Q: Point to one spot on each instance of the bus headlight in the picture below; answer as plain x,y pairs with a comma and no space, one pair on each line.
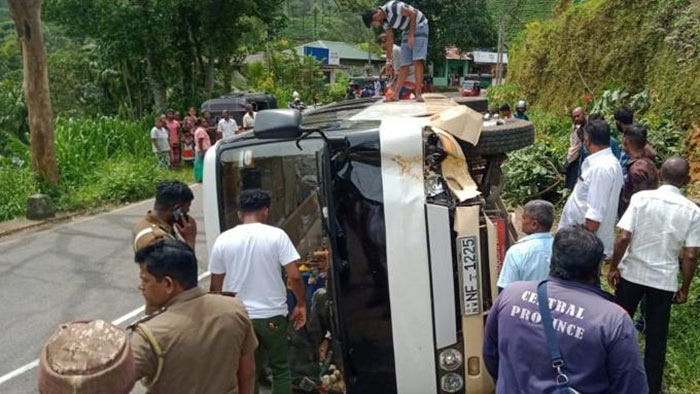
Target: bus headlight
450,359
451,383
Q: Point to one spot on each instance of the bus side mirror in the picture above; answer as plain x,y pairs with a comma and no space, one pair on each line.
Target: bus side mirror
277,124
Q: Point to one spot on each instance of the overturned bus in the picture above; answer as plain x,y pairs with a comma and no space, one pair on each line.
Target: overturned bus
395,210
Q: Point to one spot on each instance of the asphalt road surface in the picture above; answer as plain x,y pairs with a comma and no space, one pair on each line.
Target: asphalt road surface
83,269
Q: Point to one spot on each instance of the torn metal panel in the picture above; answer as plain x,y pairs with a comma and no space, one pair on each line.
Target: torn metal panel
460,121
454,168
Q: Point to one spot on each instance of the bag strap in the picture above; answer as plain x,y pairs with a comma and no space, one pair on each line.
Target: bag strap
552,341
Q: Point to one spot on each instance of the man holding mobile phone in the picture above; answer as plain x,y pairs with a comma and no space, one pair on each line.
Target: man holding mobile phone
169,217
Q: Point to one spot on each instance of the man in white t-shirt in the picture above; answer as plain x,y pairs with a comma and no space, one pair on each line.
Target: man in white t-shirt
249,118
659,228
227,127
594,200
160,144
248,260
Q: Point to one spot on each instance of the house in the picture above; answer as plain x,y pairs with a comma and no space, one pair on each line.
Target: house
459,66
336,55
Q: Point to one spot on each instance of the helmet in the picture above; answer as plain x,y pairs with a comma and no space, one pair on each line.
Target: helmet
521,104
295,95
87,357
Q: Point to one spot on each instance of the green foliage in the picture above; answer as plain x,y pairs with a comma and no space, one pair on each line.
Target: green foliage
337,91
100,160
536,171
283,72
508,93
632,45
681,372
13,117
524,11
611,100
136,54
665,136
19,184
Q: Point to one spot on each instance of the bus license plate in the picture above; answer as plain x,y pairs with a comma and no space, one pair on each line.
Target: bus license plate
468,255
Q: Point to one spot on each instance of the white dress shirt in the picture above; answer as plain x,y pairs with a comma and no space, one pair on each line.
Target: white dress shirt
661,221
227,128
596,196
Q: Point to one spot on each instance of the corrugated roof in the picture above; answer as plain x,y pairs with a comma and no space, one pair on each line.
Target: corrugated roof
344,49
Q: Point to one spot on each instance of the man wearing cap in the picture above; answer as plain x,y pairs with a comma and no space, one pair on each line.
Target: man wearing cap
196,342
597,339
414,41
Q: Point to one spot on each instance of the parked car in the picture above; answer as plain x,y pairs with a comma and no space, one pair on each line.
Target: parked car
236,104
471,88
404,270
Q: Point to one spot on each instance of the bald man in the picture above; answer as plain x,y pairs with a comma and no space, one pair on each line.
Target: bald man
659,227
573,155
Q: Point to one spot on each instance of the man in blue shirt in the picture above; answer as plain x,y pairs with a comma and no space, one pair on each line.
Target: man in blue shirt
529,258
597,338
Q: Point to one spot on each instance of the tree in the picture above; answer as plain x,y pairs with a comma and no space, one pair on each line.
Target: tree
464,24
187,49
27,17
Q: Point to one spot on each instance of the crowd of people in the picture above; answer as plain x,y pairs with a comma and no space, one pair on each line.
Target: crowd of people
552,326
238,323
658,236
177,141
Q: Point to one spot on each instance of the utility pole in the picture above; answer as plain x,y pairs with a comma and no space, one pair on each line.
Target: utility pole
499,56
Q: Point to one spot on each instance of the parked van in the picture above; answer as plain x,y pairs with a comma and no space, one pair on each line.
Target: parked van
394,208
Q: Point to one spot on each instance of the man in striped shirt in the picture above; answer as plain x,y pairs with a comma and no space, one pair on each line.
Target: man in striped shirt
414,41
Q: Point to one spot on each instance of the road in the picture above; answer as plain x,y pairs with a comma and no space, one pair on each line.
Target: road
83,269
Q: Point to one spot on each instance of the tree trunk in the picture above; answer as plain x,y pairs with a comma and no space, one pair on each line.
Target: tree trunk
27,17
209,78
227,69
156,82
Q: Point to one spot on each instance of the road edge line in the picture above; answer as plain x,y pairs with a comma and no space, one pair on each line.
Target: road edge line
28,367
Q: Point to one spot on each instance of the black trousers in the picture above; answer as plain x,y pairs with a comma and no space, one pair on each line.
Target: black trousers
658,314
572,170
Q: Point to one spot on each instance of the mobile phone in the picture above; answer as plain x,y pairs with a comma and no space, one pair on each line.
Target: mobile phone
178,216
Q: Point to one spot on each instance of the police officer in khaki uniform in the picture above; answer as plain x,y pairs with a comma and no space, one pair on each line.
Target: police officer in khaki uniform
169,218
195,342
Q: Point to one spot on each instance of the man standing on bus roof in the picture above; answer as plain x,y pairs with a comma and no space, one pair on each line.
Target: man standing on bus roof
414,40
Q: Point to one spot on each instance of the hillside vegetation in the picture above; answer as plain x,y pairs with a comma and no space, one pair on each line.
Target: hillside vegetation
633,44
600,54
